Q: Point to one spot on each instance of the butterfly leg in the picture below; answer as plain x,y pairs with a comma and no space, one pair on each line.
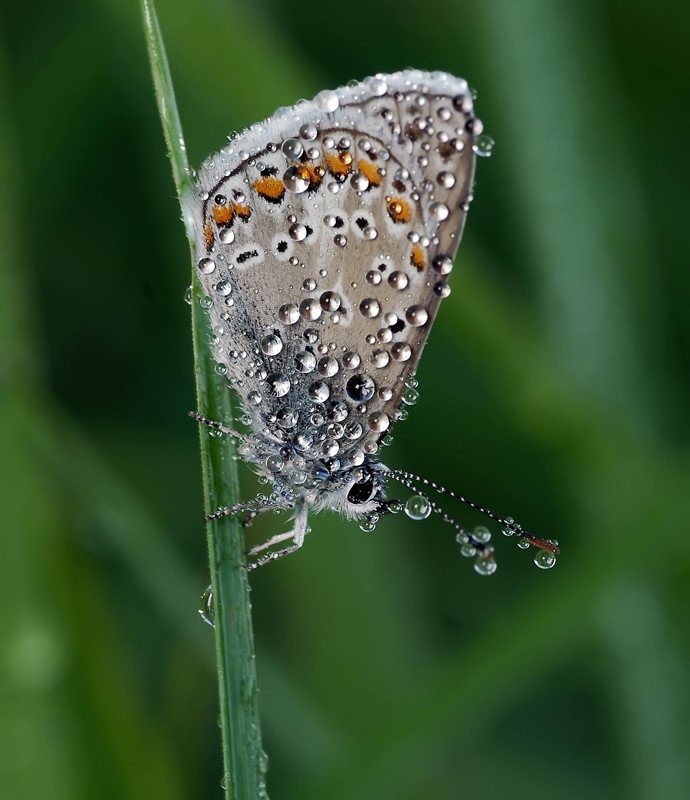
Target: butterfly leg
251,509
297,534
217,426
274,555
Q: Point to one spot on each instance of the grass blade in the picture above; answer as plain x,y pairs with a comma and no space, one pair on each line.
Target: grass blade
243,757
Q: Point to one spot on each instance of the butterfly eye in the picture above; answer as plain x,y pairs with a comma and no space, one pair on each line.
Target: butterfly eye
361,492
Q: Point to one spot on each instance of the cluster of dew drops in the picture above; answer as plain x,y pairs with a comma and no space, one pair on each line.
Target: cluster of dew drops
417,507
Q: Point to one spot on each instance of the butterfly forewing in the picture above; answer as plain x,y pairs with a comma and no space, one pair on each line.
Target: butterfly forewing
325,238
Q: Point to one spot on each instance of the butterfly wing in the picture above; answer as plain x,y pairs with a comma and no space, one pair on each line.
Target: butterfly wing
325,236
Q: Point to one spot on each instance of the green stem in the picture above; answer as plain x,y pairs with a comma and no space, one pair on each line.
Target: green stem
243,757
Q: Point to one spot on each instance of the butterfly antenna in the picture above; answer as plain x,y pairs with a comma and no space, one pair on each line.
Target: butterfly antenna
409,479
462,535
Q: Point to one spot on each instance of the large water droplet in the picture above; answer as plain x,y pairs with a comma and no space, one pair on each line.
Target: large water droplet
319,392
296,180
292,149
275,463
278,384
417,507
305,362
368,525
485,566
271,345
544,560
206,607
416,315
482,534
483,145
360,388
327,100
410,396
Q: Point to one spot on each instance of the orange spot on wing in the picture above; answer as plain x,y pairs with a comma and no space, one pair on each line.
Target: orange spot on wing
271,189
243,212
339,164
370,172
223,214
398,209
417,258
208,234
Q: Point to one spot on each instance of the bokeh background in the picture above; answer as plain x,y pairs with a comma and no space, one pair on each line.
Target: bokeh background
554,388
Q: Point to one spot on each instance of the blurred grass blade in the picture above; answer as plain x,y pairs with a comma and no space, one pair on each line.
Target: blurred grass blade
243,758
165,95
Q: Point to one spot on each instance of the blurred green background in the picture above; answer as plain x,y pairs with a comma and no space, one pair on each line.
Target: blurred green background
388,669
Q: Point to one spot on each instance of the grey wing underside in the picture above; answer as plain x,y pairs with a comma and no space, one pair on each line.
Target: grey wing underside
349,270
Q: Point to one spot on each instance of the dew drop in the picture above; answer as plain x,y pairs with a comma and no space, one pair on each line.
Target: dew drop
378,86
401,351
308,132
319,392
275,463
410,397
223,288
288,314
329,301
279,385
297,232
417,507
544,559
310,309
369,308
351,360
292,149
416,315
327,367
483,145
286,418
485,566
360,388
398,280
482,534
227,236
206,607
368,525
271,345
442,264
353,430
468,550
446,179
380,358
327,100
305,362
378,421
439,211
206,266
296,180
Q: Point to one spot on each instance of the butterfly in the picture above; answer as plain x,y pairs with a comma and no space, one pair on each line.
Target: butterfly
325,236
